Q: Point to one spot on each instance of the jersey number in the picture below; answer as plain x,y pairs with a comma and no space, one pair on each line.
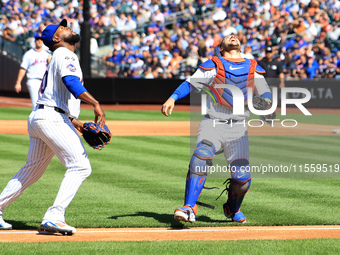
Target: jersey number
43,83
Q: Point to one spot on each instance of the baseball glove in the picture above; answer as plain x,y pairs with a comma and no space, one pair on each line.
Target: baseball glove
261,103
96,136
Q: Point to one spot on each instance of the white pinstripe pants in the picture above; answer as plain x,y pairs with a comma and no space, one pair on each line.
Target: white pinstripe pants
33,86
233,139
51,133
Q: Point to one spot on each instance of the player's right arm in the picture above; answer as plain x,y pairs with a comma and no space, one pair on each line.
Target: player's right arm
197,80
182,91
21,75
22,71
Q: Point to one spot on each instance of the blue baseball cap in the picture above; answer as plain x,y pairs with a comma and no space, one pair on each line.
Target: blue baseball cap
48,33
37,36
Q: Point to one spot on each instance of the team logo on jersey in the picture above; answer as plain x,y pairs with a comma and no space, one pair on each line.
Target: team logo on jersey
72,58
71,67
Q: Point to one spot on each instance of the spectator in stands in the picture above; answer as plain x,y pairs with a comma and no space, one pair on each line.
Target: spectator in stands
147,74
175,63
297,40
229,29
289,66
155,65
130,24
318,20
158,15
312,66
247,53
7,33
138,64
299,26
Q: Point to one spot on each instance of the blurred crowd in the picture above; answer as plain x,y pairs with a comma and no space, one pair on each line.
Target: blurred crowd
170,38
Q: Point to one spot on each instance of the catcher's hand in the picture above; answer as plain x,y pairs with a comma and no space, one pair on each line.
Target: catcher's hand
261,103
96,136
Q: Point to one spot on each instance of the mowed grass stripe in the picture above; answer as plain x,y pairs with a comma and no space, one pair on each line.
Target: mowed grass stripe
307,149
18,113
256,247
312,207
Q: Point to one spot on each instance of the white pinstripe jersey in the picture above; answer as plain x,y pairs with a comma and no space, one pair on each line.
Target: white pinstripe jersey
34,62
201,77
53,91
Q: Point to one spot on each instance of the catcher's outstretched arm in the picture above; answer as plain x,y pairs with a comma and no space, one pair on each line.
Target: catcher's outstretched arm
182,91
168,106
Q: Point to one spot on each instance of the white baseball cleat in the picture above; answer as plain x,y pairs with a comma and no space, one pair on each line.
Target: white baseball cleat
186,214
50,227
4,225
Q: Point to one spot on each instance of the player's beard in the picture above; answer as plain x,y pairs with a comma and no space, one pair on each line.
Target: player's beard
73,39
233,47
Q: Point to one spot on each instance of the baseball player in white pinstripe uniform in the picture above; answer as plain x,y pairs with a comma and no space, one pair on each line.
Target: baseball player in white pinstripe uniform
220,127
53,126
34,63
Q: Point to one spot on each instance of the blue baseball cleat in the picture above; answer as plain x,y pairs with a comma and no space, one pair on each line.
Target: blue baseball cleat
239,217
236,217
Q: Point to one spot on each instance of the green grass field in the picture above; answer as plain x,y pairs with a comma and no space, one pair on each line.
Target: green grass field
139,181
254,247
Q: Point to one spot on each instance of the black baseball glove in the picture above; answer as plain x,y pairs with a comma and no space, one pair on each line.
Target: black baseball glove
261,103
96,136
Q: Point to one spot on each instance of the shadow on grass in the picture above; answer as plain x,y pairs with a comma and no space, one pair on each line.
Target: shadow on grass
168,219
20,225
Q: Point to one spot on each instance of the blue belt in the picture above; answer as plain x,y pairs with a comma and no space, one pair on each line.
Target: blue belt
57,109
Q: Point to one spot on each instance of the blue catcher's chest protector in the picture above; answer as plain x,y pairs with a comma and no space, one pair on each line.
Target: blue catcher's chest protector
239,72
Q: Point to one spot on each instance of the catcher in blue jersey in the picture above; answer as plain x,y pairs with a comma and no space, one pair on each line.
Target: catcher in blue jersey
230,68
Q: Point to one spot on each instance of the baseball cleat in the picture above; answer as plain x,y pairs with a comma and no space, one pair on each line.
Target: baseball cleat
239,217
50,227
227,211
4,225
236,217
185,214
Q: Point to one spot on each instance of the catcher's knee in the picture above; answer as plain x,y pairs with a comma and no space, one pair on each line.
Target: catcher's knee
240,176
202,158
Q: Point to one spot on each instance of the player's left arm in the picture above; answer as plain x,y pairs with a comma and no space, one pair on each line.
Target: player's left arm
196,81
261,87
264,97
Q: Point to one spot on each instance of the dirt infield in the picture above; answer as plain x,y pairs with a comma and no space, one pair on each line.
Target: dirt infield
162,234
172,128
175,128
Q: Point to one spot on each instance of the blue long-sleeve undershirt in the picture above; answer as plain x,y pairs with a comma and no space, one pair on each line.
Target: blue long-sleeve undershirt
74,85
182,91
185,88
